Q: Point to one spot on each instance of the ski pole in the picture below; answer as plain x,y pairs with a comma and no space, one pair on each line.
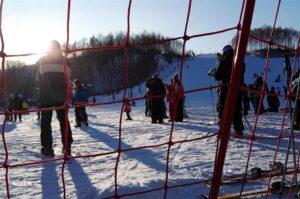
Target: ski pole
213,104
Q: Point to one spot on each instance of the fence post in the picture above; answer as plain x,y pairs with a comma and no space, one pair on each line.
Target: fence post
227,116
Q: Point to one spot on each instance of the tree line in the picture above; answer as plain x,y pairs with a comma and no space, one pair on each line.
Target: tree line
284,36
103,70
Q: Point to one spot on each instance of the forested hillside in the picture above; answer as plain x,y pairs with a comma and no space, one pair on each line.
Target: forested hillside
102,69
284,36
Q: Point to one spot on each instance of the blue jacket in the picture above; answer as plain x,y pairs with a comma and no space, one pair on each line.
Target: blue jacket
80,95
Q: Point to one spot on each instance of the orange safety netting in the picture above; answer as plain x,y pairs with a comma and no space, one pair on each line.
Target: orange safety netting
242,34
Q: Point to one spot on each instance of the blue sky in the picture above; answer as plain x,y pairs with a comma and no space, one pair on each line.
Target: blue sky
28,25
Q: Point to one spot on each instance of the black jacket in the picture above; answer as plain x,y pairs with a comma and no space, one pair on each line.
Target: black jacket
51,77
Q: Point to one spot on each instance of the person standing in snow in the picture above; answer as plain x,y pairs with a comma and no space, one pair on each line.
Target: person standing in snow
222,73
175,98
127,110
80,97
273,100
53,93
10,107
156,96
147,104
258,86
17,105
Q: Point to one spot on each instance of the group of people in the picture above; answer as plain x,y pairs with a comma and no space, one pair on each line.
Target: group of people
252,95
17,102
247,95
155,99
53,93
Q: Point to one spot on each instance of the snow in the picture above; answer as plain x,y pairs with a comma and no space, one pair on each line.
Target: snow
144,168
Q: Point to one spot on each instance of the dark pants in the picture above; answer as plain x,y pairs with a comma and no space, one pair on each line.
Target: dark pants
237,117
179,111
80,114
46,129
157,110
15,117
128,115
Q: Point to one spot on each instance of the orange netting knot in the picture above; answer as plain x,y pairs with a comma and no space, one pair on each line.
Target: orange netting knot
127,44
66,106
126,101
2,54
186,37
119,150
67,51
166,186
238,26
271,42
5,165
7,113
66,157
171,143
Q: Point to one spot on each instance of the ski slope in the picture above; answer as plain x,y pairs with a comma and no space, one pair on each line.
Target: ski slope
144,169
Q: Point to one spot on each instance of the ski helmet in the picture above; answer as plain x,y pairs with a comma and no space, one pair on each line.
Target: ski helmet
227,49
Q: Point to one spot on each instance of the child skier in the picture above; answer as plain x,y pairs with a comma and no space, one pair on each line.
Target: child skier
80,97
127,110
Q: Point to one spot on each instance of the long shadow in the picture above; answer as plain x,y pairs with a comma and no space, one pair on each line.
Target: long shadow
145,156
202,127
81,180
9,127
49,181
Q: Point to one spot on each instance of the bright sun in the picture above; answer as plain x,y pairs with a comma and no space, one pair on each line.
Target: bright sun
32,37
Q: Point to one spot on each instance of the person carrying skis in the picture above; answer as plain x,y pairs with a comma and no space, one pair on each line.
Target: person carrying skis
222,73
53,93
80,97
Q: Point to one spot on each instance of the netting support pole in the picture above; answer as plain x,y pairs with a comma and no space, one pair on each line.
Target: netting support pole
237,71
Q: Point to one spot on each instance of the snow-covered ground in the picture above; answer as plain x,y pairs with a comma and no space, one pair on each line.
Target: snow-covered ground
144,167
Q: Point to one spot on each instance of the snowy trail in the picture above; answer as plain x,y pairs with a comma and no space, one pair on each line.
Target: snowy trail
139,169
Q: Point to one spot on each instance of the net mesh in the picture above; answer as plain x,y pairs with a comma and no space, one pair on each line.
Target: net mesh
8,165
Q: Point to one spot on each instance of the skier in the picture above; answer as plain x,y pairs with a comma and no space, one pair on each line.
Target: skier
175,98
18,106
53,93
156,97
147,104
245,99
251,95
258,86
10,107
273,100
222,73
127,110
80,97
